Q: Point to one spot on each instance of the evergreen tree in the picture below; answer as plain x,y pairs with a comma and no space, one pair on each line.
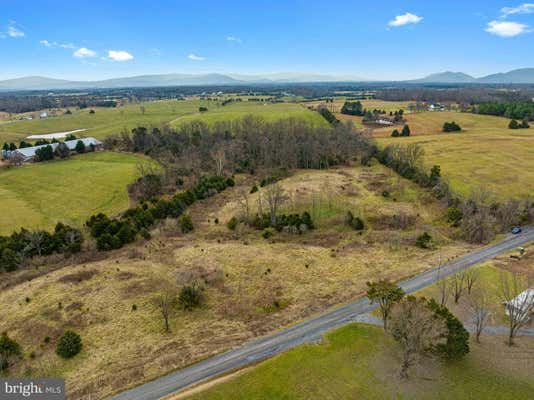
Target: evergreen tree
405,131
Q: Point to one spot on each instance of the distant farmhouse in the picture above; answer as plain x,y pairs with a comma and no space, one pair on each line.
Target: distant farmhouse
28,153
43,115
436,107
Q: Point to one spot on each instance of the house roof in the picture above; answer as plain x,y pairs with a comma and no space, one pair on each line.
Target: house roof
522,300
29,152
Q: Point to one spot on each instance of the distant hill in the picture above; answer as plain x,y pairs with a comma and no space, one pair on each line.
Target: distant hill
523,75
44,83
446,77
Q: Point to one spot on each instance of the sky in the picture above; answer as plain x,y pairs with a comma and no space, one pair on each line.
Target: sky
381,40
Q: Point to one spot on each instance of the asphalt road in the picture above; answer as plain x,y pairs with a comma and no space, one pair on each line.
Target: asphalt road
308,331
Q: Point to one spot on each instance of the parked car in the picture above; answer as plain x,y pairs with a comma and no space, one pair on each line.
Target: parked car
516,230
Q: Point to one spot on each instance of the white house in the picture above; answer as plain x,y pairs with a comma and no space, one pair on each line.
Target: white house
43,115
522,305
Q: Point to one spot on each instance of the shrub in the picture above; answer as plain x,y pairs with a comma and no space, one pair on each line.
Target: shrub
267,233
190,297
254,189
405,131
395,133
69,344
454,216
424,241
80,147
355,223
457,344
451,127
513,124
186,224
232,223
9,349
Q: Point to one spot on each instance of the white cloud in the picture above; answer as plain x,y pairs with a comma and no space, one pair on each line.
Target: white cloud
405,19
13,31
525,8
194,57
46,43
507,28
84,52
120,55
234,39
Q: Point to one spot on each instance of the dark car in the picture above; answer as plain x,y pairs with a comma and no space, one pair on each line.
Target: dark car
516,230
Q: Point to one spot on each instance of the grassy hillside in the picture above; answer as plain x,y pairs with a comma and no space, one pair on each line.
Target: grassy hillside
359,362
485,155
268,111
252,286
106,121
39,195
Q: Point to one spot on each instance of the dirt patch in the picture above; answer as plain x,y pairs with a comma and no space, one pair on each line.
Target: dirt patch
78,277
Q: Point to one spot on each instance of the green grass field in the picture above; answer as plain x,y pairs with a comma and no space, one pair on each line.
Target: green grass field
486,154
268,111
39,195
108,121
359,362
104,122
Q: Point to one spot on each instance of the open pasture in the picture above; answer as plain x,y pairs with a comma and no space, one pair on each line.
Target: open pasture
39,195
486,154
268,111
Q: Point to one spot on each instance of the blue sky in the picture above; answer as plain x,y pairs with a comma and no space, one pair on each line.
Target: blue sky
389,40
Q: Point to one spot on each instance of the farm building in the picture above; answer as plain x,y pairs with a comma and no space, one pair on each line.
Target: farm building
522,305
28,153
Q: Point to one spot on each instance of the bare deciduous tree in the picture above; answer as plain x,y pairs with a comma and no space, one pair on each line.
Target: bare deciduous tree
275,197
477,305
219,158
244,203
518,308
471,277
457,285
417,329
166,301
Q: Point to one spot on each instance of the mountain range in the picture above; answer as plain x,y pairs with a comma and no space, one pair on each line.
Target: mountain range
517,76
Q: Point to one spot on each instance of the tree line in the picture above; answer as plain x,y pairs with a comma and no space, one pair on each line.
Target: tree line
250,145
25,244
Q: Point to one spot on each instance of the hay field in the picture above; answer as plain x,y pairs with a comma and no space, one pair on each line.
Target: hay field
486,154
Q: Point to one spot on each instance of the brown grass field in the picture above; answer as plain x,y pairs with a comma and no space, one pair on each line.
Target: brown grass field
485,155
251,285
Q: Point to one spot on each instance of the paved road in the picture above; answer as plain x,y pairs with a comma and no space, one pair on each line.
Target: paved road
307,331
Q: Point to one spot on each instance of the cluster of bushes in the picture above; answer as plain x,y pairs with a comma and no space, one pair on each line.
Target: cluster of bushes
405,132
518,125
451,127
62,151
327,114
408,162
28,244
295,223
113,233
424,241
352,108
